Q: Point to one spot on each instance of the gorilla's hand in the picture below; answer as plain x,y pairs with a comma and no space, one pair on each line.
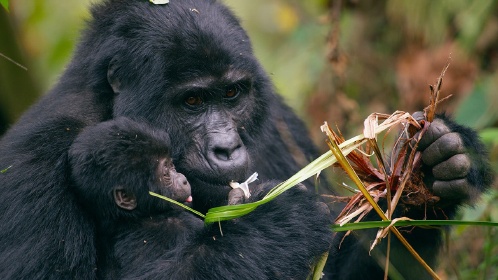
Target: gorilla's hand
236,196
454,161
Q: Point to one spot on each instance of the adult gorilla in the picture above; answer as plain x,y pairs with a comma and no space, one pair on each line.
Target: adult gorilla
187,68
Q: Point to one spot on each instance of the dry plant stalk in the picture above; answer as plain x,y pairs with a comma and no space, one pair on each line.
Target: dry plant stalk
430,111
376,180
334,147
401,179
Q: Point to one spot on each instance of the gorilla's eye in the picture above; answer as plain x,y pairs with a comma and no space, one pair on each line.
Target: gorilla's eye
193,100
232,92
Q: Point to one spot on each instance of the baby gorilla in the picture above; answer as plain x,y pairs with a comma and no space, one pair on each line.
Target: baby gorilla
170,183
134,227
108,169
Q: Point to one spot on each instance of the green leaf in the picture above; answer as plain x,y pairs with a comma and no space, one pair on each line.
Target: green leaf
426,223
5,4
5,170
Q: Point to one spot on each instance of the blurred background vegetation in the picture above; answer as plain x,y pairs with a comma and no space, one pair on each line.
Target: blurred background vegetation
332,60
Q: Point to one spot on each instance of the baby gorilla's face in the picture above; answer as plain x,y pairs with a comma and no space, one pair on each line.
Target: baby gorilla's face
171,183
166,182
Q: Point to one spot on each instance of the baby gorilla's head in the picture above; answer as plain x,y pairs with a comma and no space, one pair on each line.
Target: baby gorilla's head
168,183
116,163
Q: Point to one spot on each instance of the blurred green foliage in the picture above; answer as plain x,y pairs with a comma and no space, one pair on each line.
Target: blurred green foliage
48,31
5,4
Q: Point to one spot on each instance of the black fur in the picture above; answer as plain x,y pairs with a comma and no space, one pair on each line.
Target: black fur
156,240
186,69
142,61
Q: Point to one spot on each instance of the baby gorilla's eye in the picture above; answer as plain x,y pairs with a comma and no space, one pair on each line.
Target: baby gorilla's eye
193,100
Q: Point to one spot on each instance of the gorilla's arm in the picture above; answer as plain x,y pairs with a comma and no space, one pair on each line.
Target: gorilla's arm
44,234
279,240
456,169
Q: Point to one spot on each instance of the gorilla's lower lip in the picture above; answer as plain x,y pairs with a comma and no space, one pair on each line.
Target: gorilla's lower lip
212,177
221,180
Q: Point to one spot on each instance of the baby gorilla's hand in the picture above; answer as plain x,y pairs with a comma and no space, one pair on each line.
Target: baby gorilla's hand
454,161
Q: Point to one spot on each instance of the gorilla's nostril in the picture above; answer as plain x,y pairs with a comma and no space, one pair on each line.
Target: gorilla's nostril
232,161
222,154
227,154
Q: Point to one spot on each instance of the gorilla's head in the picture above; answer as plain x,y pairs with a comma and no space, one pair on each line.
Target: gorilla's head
188,68
116,163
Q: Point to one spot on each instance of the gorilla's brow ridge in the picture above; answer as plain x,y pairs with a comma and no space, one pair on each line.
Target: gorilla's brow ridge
231,76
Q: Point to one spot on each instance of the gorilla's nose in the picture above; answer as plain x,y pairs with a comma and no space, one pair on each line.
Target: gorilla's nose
227,152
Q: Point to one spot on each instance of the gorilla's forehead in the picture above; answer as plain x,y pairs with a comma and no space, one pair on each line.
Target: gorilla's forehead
185,23
188,37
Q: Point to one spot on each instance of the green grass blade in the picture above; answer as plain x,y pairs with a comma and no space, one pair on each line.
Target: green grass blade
178,203
5,170
426,223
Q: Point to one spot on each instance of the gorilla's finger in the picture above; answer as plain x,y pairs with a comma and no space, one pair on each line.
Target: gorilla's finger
324,209
418,116
301,187
436,129
236,196
458,166
443,148
455,190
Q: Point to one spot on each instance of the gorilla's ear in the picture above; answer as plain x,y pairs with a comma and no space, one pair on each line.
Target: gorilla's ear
125,199
112,76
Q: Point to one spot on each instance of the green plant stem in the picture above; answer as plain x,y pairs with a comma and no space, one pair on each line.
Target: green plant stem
318,270
405,223
178,203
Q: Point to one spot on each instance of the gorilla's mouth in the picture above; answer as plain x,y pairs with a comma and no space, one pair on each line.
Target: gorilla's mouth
208,193
212,176
215,163
209,183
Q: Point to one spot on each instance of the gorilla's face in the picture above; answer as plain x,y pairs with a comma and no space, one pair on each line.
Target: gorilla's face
202,85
